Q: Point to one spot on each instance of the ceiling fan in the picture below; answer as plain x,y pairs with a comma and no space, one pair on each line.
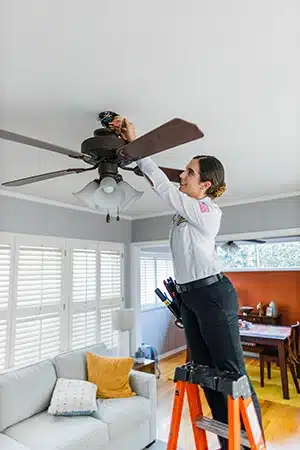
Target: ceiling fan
233,247
107,152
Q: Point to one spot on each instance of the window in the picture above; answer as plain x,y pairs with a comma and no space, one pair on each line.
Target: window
36,328
56,295
84,297
154,269
269,255
5,278
111,296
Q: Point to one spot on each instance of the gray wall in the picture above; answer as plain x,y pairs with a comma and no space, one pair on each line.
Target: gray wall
23,216
251,217
158,329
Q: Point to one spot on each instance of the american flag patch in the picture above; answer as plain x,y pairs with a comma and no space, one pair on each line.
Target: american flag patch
203,207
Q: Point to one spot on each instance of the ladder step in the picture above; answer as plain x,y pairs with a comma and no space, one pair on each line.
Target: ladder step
219,428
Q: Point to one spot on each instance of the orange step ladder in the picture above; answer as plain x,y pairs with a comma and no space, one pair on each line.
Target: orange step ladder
188,377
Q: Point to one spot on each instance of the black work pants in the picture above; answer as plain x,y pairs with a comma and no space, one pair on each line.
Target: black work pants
210,319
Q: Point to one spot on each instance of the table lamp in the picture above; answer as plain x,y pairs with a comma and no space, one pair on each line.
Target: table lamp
123,322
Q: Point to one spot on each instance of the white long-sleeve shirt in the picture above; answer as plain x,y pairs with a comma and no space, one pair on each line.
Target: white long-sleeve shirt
194,229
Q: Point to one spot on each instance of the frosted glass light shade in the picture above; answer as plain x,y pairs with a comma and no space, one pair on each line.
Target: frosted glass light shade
131,195
85,195
105,201
108,195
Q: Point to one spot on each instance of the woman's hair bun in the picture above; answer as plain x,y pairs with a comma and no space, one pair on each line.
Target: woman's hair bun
219,190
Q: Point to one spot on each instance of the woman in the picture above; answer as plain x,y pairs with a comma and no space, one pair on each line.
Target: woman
209,301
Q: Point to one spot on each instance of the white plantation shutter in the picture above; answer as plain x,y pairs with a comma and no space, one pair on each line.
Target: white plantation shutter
56,294
111,291
84,329
36,338
5,277
154,269
36,330
5,268
148,281
83,301
110,277
109,336
164,270
3,342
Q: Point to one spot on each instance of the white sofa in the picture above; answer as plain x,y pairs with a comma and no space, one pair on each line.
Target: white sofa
119,424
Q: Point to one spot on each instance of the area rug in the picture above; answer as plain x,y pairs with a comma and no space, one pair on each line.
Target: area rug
272,391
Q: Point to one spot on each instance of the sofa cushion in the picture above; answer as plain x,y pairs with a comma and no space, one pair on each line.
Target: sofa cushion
110,374
122,414
46,432
73,398
25,392
73,364
7,443
134,439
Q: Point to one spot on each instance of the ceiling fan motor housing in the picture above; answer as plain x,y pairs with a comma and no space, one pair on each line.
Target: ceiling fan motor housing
103,144
109,170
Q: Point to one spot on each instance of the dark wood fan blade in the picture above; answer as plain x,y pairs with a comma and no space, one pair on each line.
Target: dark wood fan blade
9,136
43,176
172,174
256,241
171,134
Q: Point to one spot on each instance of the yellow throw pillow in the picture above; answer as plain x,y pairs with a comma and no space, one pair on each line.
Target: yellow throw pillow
110,374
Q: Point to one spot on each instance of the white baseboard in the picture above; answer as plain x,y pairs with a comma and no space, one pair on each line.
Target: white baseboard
172,352
180,349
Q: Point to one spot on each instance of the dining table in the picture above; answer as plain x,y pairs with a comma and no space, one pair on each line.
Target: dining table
271,336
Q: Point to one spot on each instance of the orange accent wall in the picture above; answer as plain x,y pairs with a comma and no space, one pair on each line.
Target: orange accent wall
283,287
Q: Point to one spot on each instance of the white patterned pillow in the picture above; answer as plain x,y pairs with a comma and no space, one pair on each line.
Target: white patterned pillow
73,398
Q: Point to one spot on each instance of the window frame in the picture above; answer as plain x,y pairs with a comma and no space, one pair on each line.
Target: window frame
15,240
157,256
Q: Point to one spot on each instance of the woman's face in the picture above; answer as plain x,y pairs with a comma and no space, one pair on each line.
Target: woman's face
190,181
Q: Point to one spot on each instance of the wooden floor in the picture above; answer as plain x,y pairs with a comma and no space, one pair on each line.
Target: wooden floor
281,423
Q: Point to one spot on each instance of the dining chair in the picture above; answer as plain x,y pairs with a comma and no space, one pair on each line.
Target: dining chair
292,357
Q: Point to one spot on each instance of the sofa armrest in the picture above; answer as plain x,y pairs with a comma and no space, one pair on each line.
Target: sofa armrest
144,384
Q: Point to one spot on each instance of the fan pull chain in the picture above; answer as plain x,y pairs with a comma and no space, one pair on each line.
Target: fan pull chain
118,217
107,217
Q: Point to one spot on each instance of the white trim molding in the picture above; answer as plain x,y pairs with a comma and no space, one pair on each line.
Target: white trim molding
32,198
259,234
46,201
222,204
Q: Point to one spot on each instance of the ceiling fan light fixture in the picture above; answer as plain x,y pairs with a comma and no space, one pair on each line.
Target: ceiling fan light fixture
85,195
230,247
108,185
131,195
104,201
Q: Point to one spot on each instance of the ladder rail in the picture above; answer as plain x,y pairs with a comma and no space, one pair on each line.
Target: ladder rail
195,408
188,378
251,423
176,415
234,424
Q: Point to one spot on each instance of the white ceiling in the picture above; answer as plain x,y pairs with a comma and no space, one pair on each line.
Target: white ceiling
231,67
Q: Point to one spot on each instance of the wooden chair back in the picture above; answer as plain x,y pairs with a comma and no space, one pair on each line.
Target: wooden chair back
294,343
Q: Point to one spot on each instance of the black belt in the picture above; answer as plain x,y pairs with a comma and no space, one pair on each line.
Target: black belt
180,288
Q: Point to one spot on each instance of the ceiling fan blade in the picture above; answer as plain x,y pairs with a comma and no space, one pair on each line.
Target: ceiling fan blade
9,136
42,177
256,241
169,135
172,174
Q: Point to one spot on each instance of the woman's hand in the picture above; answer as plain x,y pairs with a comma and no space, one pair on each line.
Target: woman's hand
125,128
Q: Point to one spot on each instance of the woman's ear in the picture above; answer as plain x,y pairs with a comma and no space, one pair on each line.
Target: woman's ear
206,185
